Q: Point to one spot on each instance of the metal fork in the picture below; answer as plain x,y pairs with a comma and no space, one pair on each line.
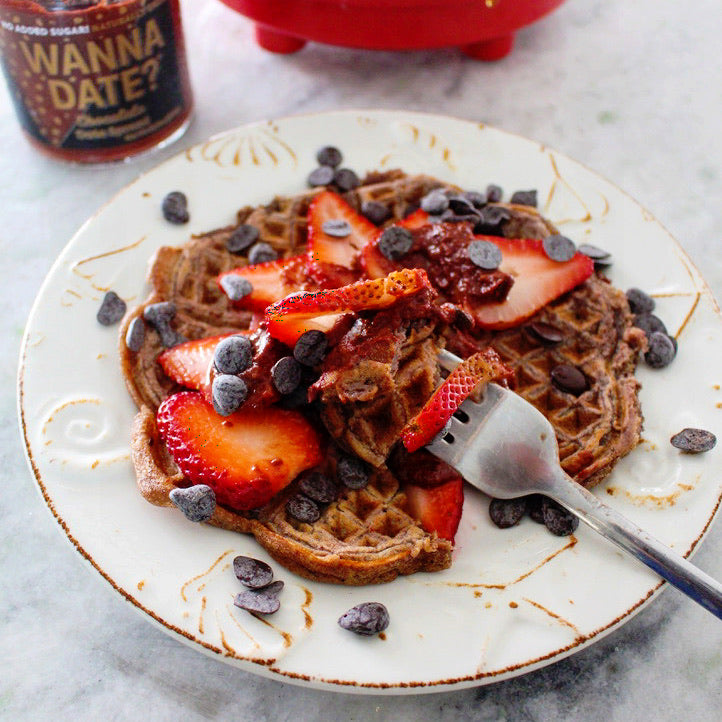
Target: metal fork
507,449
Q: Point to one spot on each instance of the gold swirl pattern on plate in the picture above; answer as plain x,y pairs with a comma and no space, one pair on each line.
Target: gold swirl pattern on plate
365,122
83,432
505,575
255,148
87,270
513,620
654,500
564,204
409,135
238,633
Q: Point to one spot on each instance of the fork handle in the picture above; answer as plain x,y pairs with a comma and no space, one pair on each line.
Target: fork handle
680,573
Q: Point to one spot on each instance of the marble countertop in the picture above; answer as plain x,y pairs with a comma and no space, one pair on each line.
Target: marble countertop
629,89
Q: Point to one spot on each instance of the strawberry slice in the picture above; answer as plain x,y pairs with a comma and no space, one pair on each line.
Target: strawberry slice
270,281
415,220
247,457
373,262
482,367
294,315
537,281
326,247
437,508
187,363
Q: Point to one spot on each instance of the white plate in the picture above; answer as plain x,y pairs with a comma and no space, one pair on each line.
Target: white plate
513,600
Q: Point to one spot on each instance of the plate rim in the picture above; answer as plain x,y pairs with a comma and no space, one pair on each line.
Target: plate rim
259,666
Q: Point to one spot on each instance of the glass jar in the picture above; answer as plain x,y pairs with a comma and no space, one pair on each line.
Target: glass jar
96,81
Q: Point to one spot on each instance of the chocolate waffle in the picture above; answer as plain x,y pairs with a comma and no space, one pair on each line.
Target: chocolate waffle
367,535
604,422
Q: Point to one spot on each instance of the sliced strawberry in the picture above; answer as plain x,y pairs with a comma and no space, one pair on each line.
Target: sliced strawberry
482,367
537,281
247,457
289,318
327,252
270,281
187,363
373,262
415,220
421,468
437,508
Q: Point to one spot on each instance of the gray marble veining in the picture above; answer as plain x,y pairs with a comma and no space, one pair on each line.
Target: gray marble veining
632,90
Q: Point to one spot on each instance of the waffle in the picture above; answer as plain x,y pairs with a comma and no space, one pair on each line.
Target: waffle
367,536
604,423
367,398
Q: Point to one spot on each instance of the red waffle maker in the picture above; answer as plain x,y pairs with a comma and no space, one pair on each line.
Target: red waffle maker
483,29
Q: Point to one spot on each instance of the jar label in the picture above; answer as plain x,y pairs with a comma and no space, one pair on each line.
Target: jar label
101,77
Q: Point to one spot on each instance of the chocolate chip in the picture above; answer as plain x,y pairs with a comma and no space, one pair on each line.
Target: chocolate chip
321,176
368,618
461,206
274,588
494,193
569,379
559,248
262,252
506,513
448,216
336,227
661,351
196,502
242,237
111,310
329,155
233,355
639,301
491,219
649,323
228,393
296,399
598,255
352,472
135,335
435,202
534,504
252,573
524,198
395,242
318,487
310,349
694,441
175,208
346,180
236,287
485,254
544,333
260,601
477,200
286,375
159,315
557,519
303,509
375,212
